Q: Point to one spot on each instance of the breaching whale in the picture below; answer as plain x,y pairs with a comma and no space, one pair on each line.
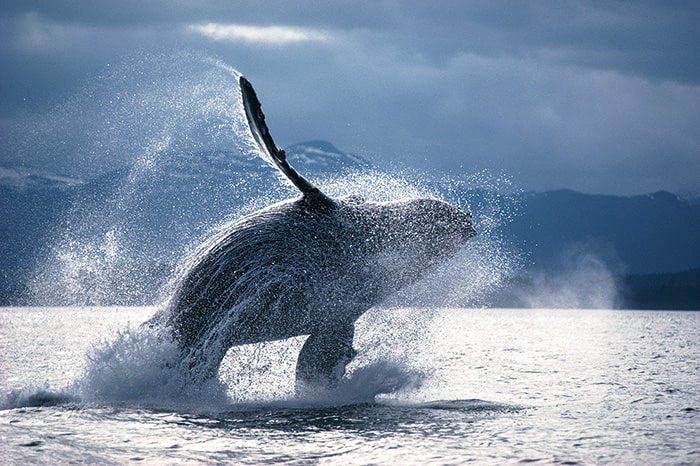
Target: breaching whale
306,266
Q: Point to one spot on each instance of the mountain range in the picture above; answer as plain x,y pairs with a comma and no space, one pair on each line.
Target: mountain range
119,237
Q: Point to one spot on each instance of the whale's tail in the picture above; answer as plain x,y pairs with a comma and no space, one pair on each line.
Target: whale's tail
268,149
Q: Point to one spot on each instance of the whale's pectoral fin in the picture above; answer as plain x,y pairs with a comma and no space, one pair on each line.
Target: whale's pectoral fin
267,146
323,357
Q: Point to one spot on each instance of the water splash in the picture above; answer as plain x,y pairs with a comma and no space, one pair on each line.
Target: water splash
142,363
488,260
139,136
144,125
584,282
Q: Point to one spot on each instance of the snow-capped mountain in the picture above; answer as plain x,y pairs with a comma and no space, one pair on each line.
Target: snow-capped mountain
321,156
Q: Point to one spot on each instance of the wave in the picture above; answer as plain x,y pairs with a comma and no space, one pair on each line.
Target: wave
34,397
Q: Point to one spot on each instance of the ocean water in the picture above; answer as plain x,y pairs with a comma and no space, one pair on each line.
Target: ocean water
428,386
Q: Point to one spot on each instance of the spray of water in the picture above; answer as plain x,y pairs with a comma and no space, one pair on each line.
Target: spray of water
584,282
142,364
151,138
143,122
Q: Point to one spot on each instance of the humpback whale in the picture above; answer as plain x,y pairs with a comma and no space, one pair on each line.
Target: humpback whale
305,266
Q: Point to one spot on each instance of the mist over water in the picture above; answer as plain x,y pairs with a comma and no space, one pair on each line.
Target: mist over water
585,282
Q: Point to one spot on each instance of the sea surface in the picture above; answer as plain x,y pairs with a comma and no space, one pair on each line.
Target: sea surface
428,386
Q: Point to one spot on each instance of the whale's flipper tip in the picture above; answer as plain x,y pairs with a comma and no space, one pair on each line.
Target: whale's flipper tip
266,145
256,122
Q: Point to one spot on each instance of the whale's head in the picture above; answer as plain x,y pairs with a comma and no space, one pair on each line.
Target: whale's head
407,239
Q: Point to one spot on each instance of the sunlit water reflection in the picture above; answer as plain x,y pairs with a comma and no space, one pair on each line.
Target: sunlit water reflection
491,386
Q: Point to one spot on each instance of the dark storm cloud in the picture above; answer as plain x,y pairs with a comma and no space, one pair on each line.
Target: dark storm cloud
653,39
596,96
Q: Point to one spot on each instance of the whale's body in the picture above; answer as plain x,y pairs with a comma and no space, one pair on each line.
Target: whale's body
308,266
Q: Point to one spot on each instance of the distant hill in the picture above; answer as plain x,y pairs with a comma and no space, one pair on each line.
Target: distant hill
73,240
597,288
680,290
653,233
584,250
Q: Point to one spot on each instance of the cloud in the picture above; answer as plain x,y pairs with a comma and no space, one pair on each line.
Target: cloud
269,35
592,96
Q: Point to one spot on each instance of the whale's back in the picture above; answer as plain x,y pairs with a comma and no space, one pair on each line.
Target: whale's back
255,273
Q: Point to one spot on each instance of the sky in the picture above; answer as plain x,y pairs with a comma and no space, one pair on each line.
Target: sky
595,96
